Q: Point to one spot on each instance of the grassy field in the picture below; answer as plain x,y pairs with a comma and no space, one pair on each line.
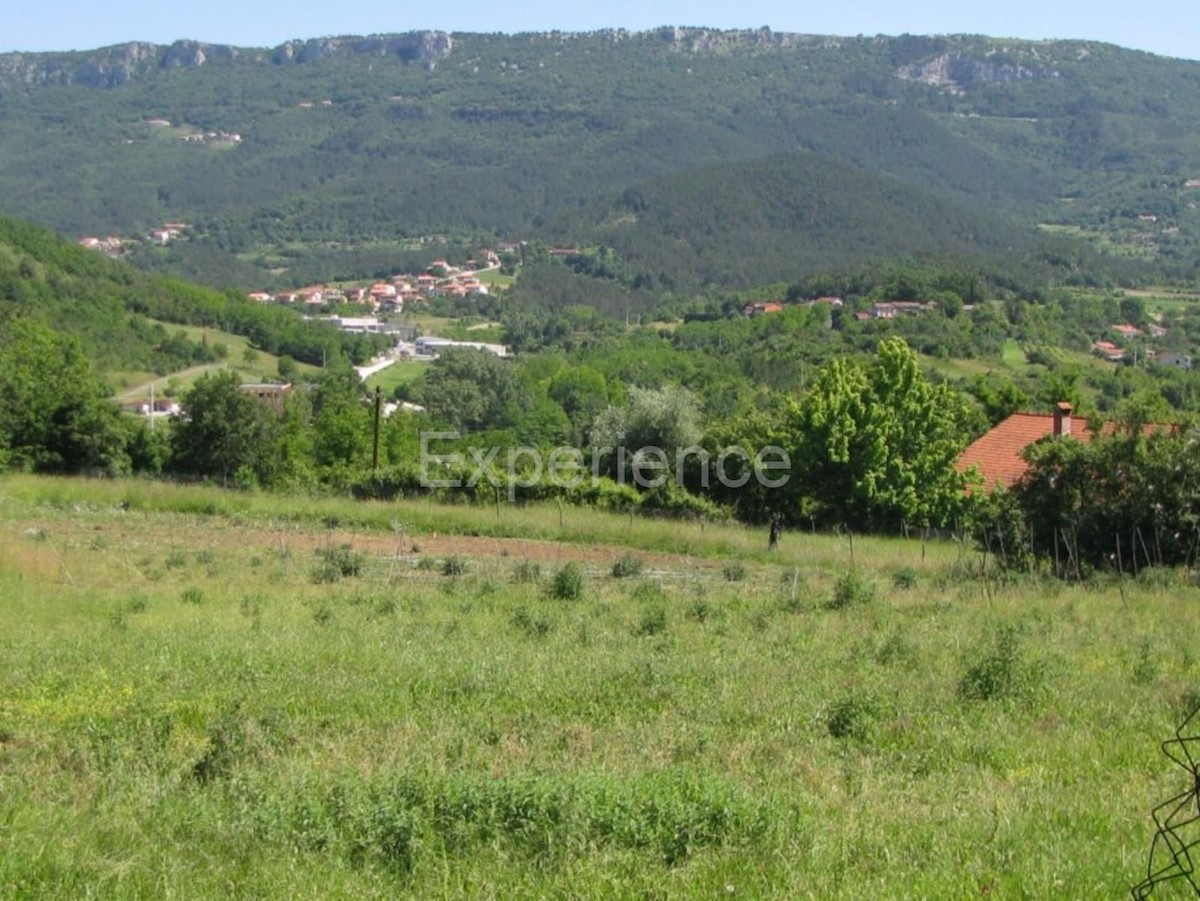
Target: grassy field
395,375
496,279
250,363
214,695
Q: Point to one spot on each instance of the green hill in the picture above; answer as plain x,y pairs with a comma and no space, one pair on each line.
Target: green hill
328,146
763,221
112,308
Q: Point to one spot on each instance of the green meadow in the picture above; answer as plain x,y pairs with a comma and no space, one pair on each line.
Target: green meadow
207,694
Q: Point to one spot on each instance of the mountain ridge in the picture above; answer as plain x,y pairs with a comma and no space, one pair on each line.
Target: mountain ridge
129,61
337,143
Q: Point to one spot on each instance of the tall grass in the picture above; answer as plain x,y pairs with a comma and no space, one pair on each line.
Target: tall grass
394,732
548,522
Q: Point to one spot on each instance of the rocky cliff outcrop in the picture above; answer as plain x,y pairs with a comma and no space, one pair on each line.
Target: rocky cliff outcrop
708,40
426,47
960,72
122,64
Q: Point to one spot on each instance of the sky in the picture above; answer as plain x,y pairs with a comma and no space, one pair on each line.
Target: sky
1167,27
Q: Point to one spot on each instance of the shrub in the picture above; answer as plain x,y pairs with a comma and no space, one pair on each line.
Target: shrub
192,595
338,563
568,582
852,716
896,649
850,590
454,565
701,611
628,565
734,572
1001,671
1145,671
1186,704
1158,577
905,577
653,620
532,624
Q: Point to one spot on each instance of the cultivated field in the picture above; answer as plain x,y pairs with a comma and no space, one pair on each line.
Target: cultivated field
217,695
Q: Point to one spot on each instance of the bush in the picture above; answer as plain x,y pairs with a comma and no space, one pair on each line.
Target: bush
852,717
192,595
338,563
701,611
905,577
567,584
734,572
850,590
628,565
653,620
672,501
1000,671
454,565
896,649
532,624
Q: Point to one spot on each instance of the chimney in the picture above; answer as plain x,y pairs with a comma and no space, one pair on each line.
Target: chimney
1062,419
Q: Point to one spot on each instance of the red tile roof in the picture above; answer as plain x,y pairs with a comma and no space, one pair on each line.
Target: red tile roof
997,453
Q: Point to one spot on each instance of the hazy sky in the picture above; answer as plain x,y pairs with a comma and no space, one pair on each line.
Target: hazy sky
1168,27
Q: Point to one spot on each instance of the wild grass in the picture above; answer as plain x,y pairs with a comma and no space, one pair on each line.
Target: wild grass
402,373
398,733
548,522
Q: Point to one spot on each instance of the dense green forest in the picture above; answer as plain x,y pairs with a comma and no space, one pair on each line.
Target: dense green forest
329,147
109,306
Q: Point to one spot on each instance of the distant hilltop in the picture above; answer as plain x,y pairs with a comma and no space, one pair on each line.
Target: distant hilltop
941,59
122,64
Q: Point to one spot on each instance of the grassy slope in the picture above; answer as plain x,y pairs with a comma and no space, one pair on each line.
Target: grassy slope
261,366
395,375
187,707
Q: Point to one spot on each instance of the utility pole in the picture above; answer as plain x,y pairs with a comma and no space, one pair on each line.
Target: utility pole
375,445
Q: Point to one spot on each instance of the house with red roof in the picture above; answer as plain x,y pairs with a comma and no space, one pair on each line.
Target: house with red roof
1125,330
761,309
996,455
1108,350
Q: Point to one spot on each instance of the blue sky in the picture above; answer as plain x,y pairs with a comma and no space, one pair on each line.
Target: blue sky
1168,27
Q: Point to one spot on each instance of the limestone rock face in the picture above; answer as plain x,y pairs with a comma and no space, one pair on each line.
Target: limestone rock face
111,67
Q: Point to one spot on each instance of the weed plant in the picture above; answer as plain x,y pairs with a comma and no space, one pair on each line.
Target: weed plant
627,565
568,582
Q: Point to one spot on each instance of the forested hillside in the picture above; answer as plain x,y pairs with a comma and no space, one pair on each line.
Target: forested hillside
764,221
109,307
330,146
